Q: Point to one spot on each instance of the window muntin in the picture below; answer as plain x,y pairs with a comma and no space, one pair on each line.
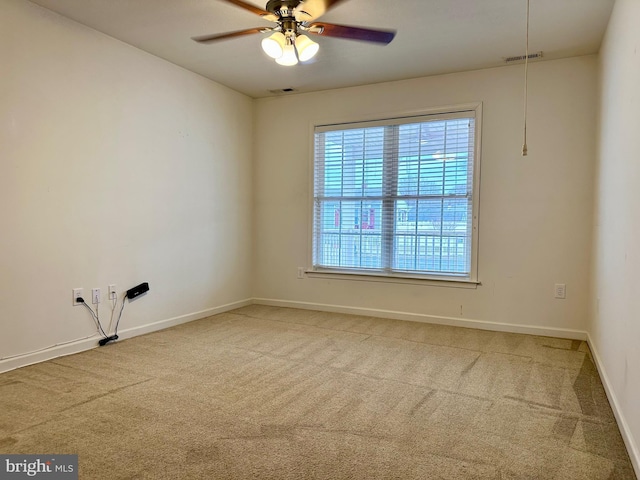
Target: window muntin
396,197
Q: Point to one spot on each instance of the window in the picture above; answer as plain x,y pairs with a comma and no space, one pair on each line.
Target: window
397,197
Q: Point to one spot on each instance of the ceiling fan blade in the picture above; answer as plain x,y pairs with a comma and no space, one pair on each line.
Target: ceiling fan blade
253,9
352,33
225,36
309,10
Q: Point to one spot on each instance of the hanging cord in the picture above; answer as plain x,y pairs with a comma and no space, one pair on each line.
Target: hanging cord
95,316
114,304
119,316
526,81
107,339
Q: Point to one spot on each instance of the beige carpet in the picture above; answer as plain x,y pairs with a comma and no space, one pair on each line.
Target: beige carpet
277,393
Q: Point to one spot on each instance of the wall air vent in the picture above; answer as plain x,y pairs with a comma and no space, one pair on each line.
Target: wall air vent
520,58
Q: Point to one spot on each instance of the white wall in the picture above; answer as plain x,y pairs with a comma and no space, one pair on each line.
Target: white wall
535,212
115,167
615,324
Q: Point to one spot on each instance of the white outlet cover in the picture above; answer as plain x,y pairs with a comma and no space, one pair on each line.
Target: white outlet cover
560,290
77,292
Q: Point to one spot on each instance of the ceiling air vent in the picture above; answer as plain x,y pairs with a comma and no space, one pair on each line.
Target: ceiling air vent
520,58
280,91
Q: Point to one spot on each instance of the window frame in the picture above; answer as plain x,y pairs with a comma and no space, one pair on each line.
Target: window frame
462,281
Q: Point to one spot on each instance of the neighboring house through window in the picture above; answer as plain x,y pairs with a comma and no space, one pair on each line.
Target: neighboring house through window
398,197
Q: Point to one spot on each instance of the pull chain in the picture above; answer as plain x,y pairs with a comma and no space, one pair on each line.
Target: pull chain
526,81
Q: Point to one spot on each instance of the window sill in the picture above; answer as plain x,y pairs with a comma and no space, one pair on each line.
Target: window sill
358,276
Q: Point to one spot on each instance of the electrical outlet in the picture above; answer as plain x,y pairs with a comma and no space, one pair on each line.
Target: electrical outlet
77,293
560,290
301,272
95,295
112,292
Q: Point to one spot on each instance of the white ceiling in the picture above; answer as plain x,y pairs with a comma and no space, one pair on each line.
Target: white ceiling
434,37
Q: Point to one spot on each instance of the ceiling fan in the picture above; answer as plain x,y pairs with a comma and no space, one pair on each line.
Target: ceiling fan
289,44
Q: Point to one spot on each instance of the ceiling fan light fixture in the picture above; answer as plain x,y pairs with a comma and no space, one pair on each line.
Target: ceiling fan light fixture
289,57
292,17
306,47
274,45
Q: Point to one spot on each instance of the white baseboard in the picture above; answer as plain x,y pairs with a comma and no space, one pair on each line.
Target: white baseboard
172,322
49,353
627,436
84,344
435,319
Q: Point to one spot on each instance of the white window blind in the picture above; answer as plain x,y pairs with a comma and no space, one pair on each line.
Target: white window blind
396,197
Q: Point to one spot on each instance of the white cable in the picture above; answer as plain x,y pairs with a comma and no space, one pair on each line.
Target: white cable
114,304
48,348
95,318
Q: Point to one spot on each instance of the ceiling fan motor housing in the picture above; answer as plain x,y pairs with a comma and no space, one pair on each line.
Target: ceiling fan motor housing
283,8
